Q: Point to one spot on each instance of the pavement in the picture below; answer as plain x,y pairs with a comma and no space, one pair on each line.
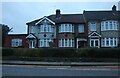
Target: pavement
60,63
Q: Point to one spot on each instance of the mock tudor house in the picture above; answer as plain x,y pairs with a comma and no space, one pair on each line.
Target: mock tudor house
90,29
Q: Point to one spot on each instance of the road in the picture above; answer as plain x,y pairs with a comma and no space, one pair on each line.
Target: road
32,70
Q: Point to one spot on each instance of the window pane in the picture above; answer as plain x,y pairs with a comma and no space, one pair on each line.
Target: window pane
107,41
92,26
96,43
80,28
92,43
111,25
106,24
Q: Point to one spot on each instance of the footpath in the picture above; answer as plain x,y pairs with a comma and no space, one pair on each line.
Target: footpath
61,63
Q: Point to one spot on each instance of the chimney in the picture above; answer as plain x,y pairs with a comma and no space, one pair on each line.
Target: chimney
58,13
114,8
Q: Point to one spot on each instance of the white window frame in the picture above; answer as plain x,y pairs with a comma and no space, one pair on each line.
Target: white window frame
66,42
48,28
92,26
45,42
112,25
66,28
113,40
16,42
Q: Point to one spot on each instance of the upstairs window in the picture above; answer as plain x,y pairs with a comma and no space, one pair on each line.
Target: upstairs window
45,28
109,25
92,26
16,42
66,28
80,28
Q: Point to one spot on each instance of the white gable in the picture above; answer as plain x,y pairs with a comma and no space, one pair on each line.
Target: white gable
46,19
30,36
94,34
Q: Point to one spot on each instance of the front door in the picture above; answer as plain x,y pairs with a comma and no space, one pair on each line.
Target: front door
31,44
94,43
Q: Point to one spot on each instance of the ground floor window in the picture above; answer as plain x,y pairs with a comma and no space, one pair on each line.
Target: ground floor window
44,42
109,42
66,42
16,42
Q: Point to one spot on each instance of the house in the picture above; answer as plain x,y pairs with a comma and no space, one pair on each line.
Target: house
64,30
91,29
103,28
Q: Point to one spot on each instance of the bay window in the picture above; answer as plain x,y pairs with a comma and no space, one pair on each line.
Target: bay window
45,28
44,42
109,42
109,25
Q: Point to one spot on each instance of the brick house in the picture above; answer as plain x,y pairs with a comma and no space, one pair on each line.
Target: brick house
65,30
90,29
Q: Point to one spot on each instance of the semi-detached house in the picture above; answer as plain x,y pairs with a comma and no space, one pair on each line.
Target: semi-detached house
90,29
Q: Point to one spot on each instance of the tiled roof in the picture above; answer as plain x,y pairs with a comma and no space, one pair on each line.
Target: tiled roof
65,18
101,15
70,18
81,18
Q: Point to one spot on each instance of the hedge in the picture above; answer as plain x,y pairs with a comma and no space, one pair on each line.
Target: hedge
63,52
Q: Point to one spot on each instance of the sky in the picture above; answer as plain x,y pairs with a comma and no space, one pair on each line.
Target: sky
17,14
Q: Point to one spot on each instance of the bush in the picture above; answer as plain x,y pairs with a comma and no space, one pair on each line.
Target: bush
100,53
63,52
7,52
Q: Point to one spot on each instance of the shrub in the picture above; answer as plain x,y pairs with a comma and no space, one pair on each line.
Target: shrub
7,52
63,52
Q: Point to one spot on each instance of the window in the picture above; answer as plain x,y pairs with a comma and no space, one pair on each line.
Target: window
66,42
44,42
16,42
81,28
66,28
109,42
109,25
92,26
45,28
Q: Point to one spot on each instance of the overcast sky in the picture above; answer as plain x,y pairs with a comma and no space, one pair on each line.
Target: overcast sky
17,14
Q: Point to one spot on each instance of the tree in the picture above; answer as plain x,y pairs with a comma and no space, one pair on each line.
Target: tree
5,31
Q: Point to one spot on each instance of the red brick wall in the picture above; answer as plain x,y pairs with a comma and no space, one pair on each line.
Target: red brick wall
9,38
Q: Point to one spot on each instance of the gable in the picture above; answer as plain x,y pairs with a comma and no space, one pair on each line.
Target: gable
94,34
45,20
30,36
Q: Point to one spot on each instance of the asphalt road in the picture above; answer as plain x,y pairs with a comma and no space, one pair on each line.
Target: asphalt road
32,70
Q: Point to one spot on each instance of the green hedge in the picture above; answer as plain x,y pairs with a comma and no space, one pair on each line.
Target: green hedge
63,52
